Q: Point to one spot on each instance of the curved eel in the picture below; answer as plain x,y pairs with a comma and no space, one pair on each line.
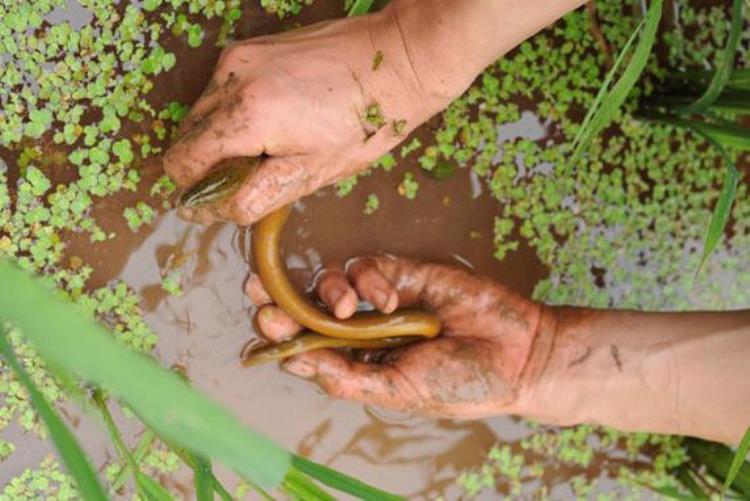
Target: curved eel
366,330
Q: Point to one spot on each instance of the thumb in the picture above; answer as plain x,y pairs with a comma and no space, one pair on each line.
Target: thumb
276,182
209,140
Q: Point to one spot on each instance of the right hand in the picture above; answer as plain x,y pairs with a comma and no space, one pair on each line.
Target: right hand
473,369
300,98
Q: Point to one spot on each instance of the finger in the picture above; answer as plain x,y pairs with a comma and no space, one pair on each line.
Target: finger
255,291
372,286
334,290
367,383
224,133
275,324
432,285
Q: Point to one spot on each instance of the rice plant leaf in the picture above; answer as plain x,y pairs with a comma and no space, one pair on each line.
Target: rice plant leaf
203,480
614,98
723,208
596,104
671,492
740,79
139,452
151,489
724,66
341,481
74,458
148,488
738,461
360,7
302,488
162,400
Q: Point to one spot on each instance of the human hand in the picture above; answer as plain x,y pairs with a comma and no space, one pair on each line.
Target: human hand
321,103
473,369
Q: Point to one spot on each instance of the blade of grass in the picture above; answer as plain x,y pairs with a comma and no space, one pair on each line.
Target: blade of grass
671,492
613,99
203,480
737,461
140,451
606,84
685,477
222,492
718,459
724,66
360,7
165,403
74,458
723,208
731,100
728,134
340,481
302,488
147,487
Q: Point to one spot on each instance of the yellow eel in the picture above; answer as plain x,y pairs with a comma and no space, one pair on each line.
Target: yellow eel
365,330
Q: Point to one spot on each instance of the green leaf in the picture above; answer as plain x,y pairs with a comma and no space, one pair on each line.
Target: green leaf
160,398
152,490
724,66
301,488
671,492
341,481
70,452
360,7
723,208
611,101
738,461
203,480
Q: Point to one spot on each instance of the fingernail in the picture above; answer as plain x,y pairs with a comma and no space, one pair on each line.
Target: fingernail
299,368
335,295
391,303
381,298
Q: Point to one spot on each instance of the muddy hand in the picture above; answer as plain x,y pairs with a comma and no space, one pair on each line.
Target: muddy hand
474,369
311,101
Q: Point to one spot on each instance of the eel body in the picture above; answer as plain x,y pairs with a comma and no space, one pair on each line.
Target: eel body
365,330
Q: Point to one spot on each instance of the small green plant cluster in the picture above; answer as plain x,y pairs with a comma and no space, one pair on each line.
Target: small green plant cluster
74,106
588,454
284,8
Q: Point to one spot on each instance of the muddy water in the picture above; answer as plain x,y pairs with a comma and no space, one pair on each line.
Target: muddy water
204,330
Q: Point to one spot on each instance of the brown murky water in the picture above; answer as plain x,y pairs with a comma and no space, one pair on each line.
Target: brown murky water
205,329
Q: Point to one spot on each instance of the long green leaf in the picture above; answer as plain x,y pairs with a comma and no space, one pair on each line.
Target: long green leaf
738,461
203,480
718,460
340,481
727,134
360,7
596,104
613,100
723,208
671,492
148,488
724,66
140,451
165,402
70,452
152,490
301,488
